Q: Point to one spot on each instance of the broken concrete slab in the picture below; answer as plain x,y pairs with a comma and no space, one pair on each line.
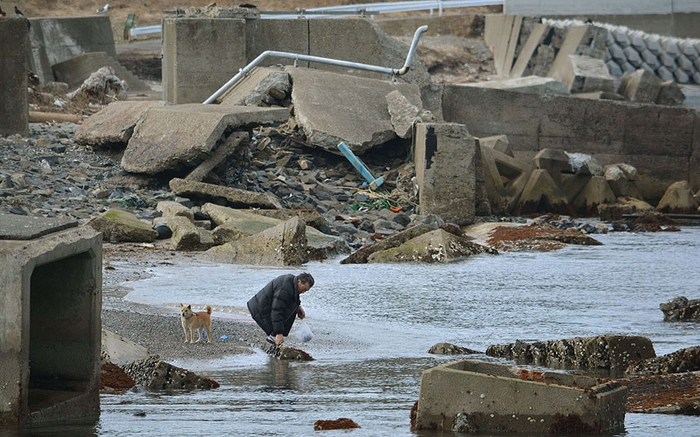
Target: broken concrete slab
438,246
113,125
171,138
188,236
253,88
527,84
228,147
281,245
332,107
170,208
120,350
121,226
403,114
234,197
473,396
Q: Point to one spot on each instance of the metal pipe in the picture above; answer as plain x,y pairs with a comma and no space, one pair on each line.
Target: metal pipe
299,57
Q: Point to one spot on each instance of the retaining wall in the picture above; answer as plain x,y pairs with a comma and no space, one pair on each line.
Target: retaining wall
14,65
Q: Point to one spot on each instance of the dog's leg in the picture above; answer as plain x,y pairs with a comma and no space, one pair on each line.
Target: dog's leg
184,329
208,328
199,335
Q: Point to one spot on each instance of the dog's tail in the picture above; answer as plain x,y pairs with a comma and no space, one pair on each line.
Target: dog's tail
209,309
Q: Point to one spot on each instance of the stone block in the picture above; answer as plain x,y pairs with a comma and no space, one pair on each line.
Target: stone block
527,84
640,86
685,64
445,170
113,125
585,74
650,59
632,56
469,396
670,94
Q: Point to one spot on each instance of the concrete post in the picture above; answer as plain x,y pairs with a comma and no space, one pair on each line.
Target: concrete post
51,296
445,156
14,66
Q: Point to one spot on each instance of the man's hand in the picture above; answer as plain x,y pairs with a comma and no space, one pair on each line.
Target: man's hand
279,339
301,313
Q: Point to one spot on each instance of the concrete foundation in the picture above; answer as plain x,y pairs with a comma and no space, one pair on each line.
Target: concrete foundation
445,157
50,332
472,396
661,142
14,66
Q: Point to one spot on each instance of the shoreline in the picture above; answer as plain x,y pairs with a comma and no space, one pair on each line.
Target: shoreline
156,328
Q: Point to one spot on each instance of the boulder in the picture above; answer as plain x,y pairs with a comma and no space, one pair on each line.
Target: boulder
683,360
188,236
156,375
678,199
281,245
121,226
600,352
680,309
234,197
361,255
450,349
170,208
436,246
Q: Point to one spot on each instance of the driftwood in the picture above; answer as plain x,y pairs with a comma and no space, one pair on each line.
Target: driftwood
58,117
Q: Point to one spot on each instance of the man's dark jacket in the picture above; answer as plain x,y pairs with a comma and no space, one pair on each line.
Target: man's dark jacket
274,307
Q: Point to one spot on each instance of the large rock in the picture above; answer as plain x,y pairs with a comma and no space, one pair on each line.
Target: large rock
234,197
684,360
678,199
436,246
681,309
113,125
121,226
187,236
179,137
282,245
601,352
156,375
332,107
361,255
620,178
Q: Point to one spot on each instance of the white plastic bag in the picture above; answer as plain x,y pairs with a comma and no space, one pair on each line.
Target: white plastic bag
302,332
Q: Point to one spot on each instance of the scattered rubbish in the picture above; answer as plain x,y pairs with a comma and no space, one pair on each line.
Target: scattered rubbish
361,167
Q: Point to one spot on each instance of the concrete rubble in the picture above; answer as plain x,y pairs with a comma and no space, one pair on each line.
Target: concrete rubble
473,396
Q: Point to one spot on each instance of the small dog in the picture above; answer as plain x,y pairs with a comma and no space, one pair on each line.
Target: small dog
194,321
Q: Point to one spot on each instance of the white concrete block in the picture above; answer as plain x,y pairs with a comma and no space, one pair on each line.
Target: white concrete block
664,73
637,40
653,44
621,37
685,64
696,77
633,56
681,76
667,61
617,53
614,69
687,48
650,59
670,46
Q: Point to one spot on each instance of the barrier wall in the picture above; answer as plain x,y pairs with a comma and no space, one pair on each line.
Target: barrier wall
14,65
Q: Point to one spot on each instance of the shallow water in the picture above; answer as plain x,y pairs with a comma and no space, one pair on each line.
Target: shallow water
374,323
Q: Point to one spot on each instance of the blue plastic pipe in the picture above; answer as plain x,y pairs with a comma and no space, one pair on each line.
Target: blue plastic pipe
361,167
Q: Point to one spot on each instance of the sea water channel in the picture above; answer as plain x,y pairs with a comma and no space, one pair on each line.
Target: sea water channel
374,323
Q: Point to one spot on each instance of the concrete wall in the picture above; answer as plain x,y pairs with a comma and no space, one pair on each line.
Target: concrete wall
663,143
50,293
14,65
191,46
672,18
54,40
